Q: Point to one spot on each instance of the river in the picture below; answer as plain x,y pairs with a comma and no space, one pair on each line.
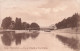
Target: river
45,41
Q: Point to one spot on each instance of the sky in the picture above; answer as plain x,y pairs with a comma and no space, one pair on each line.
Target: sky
43,12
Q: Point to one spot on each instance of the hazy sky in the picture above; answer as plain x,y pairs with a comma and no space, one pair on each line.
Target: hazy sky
44,12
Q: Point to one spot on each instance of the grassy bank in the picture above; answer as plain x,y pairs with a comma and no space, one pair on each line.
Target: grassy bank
69,30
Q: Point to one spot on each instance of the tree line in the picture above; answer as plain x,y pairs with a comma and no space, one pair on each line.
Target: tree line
8,23
70,22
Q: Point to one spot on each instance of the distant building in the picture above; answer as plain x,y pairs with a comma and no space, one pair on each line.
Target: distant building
53,27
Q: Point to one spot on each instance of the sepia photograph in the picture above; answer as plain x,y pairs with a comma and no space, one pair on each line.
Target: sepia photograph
39,25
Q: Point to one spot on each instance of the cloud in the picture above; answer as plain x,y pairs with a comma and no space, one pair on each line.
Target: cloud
41,11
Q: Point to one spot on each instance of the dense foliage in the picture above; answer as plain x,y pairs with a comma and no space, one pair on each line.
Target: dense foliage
69,22
8,23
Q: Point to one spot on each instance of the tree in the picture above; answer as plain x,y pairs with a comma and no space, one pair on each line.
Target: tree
34,26
12,26
18,24
6,22
25,25
75,18
70,22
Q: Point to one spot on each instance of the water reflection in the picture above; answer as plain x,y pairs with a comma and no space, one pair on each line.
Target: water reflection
34,34
10,36
7,37
70,42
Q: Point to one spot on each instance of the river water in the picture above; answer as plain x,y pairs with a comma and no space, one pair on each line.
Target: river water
45,41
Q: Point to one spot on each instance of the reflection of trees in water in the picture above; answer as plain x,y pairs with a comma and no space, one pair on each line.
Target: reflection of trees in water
25,36
8,37
71,42
20,36
6,40
34,34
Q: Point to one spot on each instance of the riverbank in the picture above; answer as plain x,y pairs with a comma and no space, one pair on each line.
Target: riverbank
69,30
69,35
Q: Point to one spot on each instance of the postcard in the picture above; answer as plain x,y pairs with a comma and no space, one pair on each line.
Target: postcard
39,25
